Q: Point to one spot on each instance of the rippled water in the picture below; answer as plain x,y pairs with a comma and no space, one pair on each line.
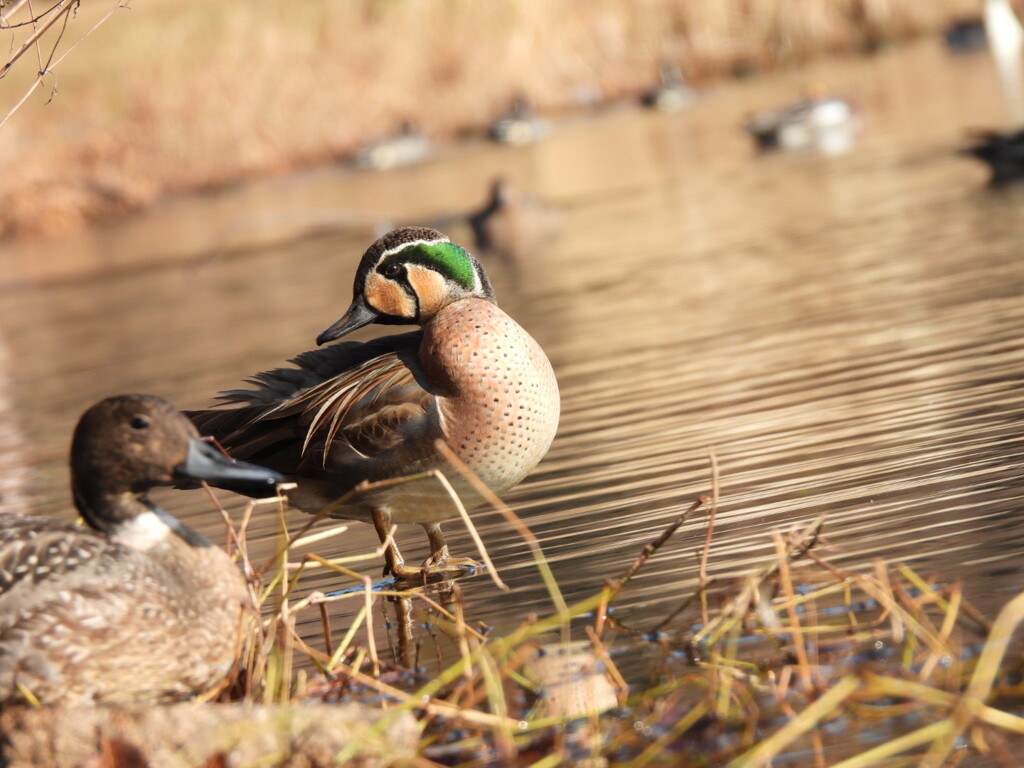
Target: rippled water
845,333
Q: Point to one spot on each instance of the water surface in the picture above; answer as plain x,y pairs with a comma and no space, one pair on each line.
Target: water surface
845,333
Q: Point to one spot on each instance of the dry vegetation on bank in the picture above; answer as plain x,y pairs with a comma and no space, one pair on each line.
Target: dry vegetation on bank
794,659
174,97
797,660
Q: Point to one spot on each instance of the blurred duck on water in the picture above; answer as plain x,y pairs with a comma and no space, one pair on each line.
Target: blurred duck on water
356,413
1003,151
407,146
817,123
671,94
135,606
520,125
512,224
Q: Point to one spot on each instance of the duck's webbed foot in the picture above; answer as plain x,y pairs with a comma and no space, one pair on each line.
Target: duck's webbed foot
440,561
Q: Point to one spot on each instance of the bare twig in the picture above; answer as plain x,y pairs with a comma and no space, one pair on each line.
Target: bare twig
51,64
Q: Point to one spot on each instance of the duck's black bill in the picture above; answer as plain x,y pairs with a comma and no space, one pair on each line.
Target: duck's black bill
205,462
358,315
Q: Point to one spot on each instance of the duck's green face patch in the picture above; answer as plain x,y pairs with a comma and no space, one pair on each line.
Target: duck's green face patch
448,259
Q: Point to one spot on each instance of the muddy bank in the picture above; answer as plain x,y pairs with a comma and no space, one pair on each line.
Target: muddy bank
175,97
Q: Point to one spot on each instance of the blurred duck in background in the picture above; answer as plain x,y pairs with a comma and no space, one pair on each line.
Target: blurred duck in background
1003,151
965,35
511,224
817,123
406,146
671,94
520,125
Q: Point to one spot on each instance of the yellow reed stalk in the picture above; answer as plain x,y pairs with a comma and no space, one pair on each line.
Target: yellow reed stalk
679,728
538,553
601,652
980,686
313,538
370,640
499,707
794,629
772,746
948,623
347,639
904,743
472,530
712,511
447,614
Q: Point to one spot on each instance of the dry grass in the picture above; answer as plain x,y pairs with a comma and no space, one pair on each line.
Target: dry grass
796,656
169,97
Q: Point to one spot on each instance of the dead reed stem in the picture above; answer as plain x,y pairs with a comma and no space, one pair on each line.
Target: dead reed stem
799,648
538,553
613,588
712,511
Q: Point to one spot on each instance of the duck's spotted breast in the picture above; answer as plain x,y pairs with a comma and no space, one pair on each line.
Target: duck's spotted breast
498,396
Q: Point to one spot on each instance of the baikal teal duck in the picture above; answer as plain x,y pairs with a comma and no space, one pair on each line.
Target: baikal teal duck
134,607
374,411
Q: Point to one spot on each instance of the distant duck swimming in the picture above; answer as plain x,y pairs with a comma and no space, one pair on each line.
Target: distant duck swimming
520,125
354,412
824,124
135,607
407,146
671,94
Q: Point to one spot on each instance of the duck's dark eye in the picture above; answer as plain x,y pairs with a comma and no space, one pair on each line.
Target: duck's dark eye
394,269
140,422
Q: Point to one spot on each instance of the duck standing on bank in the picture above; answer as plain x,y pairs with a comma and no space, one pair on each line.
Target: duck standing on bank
373,411
136,607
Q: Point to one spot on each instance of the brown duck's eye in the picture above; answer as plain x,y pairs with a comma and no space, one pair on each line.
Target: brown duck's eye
394,269
140,422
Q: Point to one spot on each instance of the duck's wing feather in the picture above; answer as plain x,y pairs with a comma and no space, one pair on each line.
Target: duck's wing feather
36,549
339,406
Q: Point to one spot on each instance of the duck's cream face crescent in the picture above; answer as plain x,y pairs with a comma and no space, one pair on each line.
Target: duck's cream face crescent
388,297
430,288
429,293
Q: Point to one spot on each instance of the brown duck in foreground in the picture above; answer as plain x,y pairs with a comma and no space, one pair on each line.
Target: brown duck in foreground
373,411
136,607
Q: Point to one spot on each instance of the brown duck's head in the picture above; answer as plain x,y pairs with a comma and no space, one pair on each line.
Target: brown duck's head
127,444
406,277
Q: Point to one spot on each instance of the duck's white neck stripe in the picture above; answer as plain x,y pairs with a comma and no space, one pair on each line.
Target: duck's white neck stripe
146,530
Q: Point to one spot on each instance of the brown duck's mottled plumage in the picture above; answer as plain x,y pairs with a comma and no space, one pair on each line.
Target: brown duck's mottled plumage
136,608
372,411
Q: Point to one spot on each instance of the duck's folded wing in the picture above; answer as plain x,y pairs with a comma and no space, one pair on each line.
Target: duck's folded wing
36,549
339,405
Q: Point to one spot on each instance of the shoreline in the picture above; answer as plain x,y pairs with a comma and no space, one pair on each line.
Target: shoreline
179,98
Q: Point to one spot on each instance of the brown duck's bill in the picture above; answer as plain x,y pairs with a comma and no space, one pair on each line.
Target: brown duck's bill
205,462
358,315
